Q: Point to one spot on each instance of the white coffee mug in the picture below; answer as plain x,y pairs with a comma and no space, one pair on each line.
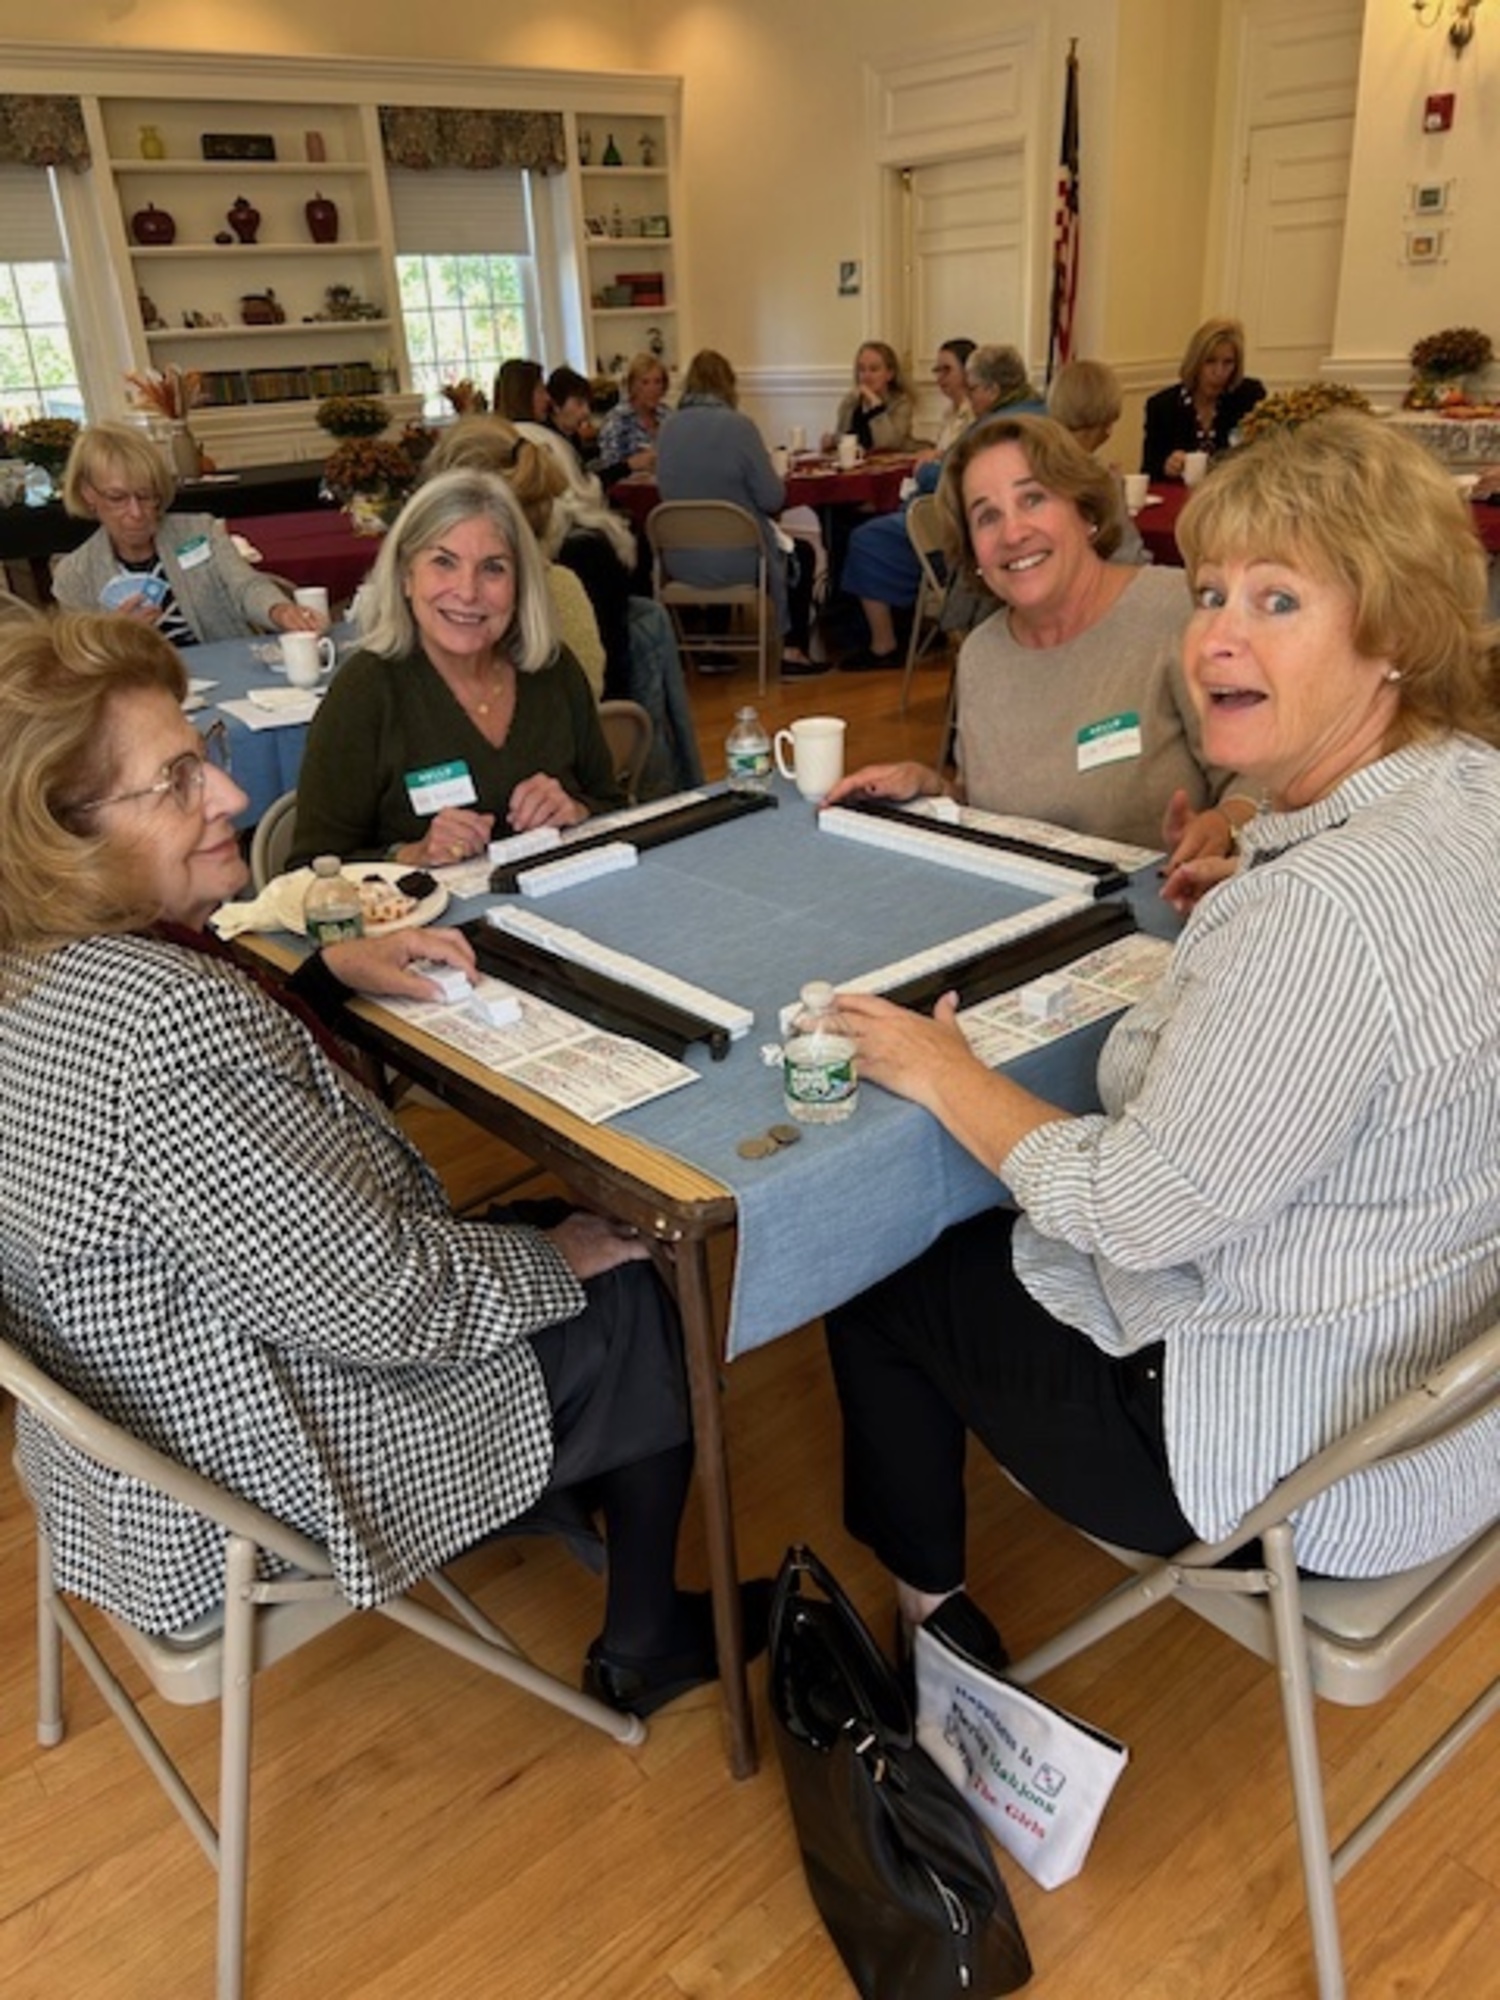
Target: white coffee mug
810,754
1194,466
306,657
313,598
796,438
848,451
780,461
1137,488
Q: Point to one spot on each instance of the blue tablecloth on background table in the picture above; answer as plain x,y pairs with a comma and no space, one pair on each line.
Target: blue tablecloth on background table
265,762
752,910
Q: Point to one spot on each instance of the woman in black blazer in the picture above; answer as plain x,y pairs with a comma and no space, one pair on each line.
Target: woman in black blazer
1199,411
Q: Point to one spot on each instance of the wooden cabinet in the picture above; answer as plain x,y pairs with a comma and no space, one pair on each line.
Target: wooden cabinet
282,317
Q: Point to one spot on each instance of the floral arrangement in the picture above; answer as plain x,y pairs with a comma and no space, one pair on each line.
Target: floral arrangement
1290,407
372,478
416,441
1457,350
466,398
45,441
171,393
353,416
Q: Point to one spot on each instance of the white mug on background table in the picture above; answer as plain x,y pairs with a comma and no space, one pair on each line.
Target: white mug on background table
307,656
811,755
780,461
1194,466
313,598
1137,488
796,438
849,452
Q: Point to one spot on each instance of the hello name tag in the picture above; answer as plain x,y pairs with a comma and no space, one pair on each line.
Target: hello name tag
1113,741
440,785
193,554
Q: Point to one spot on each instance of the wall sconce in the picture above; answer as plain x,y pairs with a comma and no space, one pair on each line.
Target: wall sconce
1460,28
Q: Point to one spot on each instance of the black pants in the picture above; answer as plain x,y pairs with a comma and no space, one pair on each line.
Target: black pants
954,1343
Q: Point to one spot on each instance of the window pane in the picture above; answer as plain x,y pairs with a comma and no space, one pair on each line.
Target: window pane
463,312
40,296
38,371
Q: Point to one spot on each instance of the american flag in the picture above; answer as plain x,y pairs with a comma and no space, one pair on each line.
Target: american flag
1065,228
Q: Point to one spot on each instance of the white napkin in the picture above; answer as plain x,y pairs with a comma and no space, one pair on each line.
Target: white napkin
278,907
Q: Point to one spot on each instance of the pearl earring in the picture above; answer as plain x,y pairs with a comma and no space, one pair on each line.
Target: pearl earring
1393,673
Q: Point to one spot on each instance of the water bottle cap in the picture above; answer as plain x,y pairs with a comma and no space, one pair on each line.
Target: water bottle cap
817,995
327,864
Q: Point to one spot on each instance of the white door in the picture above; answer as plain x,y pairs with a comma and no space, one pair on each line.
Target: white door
1286,292
964,260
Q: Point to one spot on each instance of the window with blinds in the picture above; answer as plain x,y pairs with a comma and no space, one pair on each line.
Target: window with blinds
38,372
466,273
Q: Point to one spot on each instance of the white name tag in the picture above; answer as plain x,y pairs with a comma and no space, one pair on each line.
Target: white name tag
440,785
193,554
1112,741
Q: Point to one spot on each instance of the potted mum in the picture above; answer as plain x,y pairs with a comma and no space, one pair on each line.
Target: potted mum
1290,407
370,477
1440,362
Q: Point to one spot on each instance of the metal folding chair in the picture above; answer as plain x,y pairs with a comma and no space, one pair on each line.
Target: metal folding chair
264,1619
1352,1642
699,528
923,531
271,842
628,731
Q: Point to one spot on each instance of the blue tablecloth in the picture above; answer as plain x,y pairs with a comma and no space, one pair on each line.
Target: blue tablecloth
753,910
265,762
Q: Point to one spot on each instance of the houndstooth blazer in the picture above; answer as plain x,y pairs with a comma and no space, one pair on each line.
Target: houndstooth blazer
221,1244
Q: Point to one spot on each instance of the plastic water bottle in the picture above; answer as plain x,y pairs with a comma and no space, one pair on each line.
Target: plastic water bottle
331,907
819,1080
747,753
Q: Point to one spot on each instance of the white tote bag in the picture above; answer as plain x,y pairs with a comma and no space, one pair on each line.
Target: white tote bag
1038,1778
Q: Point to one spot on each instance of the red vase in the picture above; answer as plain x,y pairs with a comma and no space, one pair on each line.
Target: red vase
322,219
152,226
244,220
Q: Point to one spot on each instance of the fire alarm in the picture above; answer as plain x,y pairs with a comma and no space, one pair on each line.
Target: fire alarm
1438,114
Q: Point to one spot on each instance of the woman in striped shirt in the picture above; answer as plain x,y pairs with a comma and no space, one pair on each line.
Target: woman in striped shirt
1289,1207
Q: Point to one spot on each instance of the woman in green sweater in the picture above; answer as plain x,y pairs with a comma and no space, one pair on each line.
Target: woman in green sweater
460,719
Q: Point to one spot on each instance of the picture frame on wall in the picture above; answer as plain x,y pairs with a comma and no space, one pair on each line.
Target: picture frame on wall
1429,198
1424,246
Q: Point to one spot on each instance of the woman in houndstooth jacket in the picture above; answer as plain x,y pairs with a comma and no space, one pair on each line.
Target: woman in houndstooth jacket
217,1240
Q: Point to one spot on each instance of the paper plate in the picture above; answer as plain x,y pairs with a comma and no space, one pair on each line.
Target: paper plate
291,889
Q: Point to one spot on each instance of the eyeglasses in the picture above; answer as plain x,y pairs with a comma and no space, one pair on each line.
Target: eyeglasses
184,776
116,497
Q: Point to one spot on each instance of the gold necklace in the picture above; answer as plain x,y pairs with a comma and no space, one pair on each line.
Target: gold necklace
482,706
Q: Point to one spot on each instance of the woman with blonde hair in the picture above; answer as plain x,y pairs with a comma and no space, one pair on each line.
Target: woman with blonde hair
629,434
878,410
1201,409
191,582
459,671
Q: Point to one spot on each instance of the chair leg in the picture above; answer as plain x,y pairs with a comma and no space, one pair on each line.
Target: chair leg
1306,1763
235,1699
49,1710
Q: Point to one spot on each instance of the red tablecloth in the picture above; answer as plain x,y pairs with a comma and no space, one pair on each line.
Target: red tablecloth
1157,522
812,483
312,548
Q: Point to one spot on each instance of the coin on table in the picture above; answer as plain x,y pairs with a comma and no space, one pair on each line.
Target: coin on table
784,1135
756,1148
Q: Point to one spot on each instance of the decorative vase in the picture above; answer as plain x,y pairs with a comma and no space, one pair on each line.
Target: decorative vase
611,156
153,146
183,450
585,146
244,219
153,226
313,146
322,219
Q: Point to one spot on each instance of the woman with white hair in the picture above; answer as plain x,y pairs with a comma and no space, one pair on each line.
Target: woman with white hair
460,717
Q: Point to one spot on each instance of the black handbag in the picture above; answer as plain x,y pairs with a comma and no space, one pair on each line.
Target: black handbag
898,1866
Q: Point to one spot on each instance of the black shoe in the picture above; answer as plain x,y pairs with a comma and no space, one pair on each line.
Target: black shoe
802,670
959,1622
642,1686
717,663
870,662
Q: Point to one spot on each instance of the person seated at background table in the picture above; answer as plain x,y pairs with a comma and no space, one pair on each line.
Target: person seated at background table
654,678
948,373
197,587
628,435
1085,398
212,1234
521,391
1072,703
711,451
1286,1212
1200,411
570,412
881,567
878,410
460,719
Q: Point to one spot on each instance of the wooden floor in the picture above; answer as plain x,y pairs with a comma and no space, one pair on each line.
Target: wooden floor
421,1833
